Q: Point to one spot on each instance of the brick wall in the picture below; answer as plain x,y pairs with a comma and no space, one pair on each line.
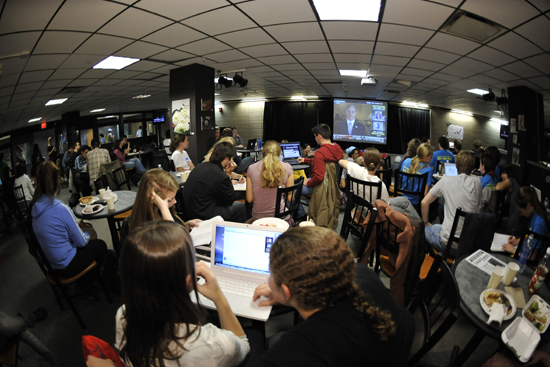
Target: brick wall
246,116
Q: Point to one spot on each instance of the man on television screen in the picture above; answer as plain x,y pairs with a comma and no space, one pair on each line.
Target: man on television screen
350,126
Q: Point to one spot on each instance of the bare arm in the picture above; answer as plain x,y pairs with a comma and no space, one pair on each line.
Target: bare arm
289,182
249,192
343,163
428,199
506,185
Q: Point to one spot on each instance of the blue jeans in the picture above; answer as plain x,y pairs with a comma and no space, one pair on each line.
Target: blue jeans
134,163
433,237
305,191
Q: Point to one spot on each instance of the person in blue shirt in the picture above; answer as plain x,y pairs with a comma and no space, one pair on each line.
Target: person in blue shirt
495,153
487,169
418,165
443,155
530,207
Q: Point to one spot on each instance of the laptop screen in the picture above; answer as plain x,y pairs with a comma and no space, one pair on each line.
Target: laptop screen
291,150
251,144
244,248
450,169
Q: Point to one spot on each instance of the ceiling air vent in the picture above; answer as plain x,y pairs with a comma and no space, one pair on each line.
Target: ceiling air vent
472,27
72,90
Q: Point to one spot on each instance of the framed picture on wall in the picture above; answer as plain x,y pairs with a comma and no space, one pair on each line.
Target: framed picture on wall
207,105
181,116
206,123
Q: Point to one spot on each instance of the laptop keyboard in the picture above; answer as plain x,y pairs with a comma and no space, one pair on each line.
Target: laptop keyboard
237,286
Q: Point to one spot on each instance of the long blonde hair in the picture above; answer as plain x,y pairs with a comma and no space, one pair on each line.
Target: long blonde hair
228,139
272,170
423,151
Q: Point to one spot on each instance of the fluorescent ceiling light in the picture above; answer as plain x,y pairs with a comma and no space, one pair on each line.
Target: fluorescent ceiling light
416,105
5,137
142,96
423,105
358,73
108,117
52,102
217,94
115,63
365,10
254,100
35,119
406,103
478,91
463,112
98,110
502,122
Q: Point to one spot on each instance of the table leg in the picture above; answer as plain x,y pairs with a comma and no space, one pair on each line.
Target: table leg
114,234
469,349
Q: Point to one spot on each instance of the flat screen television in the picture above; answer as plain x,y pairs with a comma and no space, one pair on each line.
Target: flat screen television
360,121
504,131
158,118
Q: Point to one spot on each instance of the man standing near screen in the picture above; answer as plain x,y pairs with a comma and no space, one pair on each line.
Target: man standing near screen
350,126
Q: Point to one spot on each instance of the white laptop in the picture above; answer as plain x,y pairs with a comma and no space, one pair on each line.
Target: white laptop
240,261
450,169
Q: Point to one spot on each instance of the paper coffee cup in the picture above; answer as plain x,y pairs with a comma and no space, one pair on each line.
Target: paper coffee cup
111,203
101,193
511,271
496,277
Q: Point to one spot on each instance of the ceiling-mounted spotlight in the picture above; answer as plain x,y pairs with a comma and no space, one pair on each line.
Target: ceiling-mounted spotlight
225,82
242,82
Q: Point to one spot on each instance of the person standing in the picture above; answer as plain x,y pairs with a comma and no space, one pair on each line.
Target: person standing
443,155
139,132
52,152
96,157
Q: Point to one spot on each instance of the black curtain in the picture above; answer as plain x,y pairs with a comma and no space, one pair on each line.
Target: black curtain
405,124
293,121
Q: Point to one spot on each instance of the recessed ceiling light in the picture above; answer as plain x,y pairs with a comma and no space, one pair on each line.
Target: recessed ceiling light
108,117
98,110
365,10
115,63
52,102
358,73
253,100
478,91
463,112
142,96
35,119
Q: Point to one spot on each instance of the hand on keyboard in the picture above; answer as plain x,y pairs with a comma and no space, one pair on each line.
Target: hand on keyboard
263,290
210,288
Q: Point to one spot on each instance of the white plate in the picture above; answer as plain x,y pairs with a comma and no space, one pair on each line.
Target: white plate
271,222
488,310
96,209
93,201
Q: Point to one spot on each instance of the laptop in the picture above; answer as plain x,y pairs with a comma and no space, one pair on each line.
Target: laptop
251,144
240,260
291,152
450,169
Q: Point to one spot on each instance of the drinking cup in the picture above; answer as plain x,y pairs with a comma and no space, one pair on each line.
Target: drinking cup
307,224
102,193
496,277
111,203
511,271
135,150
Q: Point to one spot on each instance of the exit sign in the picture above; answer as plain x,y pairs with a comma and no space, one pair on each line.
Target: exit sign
43,125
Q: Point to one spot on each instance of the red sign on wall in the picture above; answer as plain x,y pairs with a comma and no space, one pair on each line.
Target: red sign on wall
43,125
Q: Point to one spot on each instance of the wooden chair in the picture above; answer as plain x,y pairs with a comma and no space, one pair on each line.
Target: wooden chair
385,175
353,221
101,183
460,215
22,206
290,204
410,184
121,179
364,189
9,354
57,283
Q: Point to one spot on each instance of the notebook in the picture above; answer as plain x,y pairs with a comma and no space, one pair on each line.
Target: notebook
291,152
450,169
251,144
240,260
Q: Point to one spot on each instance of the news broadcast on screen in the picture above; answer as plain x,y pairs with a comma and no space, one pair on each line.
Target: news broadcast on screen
360,121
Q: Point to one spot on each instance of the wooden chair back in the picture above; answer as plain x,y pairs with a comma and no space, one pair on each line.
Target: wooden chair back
290,196
367,190
121,179
410,184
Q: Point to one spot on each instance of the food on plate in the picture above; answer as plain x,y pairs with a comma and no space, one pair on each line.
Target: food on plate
535,316
86,199
268,225
492,297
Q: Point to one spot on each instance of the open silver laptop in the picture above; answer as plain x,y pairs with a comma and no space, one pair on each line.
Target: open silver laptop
450,169
240,261
291,152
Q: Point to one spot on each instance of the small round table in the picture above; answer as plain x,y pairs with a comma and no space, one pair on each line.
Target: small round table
177,177
300,166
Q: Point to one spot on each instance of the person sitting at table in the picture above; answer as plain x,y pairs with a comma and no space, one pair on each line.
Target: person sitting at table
443,155
121,152
312,270
412,147
262,181
68,249
156,200
82,174
158,324
353,154
235,177
179,155
21,179
306,150
461,191
487,169
512,222
531,208
418,165
208,191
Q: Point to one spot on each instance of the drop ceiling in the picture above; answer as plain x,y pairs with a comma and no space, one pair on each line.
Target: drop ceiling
285,50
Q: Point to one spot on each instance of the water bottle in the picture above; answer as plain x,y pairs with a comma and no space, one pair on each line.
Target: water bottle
540,274
525,253
259,143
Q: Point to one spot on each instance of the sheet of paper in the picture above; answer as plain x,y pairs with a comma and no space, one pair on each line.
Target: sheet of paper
240,187
499,239
202,235
484,261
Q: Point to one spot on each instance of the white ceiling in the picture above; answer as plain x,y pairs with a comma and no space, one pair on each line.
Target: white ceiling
284,48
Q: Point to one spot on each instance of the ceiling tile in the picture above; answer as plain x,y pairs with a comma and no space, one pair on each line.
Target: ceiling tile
275,60
541,81
172,55
309,47
296,32
541,62
66,73
173,9
348,58
385,69
280,11
335,30
41,62
53,42
390,60
522,69
286,67
473,65
515,45
35,76
174,35
426,65
57,84
413,13
305,58
510,15
203,47
484,79
264,50
319,65
84,15
12,44
537,31
140,50
36,19
436,56
358,47
457,71
100,44
7,80
227,56
491,56
78,61
28,87
542,5
145,65
447,42
220,21
416,72
404,34
501,75
240,64
134,23
249,37
396,49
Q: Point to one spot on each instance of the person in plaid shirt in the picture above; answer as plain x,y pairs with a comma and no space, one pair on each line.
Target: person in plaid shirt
96,157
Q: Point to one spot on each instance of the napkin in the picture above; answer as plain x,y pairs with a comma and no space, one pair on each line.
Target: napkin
497,313
517,295
88,208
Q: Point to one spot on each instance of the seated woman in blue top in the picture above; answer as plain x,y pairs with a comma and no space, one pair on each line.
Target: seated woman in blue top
530,207
68,249
487,169
418,165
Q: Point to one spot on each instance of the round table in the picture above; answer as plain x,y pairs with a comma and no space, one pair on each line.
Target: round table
300,166
177,177
124,203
